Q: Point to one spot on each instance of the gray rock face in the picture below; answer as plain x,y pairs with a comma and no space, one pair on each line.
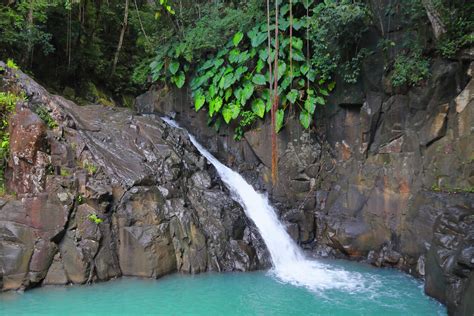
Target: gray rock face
373,178
113,194
450,259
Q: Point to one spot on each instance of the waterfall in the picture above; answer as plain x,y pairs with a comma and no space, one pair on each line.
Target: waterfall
289,263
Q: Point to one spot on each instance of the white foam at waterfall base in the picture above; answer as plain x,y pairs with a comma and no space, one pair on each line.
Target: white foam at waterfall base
289,263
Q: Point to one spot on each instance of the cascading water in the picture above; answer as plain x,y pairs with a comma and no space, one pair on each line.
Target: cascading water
289,263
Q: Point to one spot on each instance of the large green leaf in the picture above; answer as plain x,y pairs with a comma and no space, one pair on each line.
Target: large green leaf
310,105
297,43
304,69
285,83
208,64
311,75
179,79
298,23
156,66
292,96
234,55
230,111
283,24
324,92
320,100
280,115
305,119
155,76
237,38
268,105
212,90
217,77
222,53
244,56
263,54
218,104
238,93
239,72
247,92
258,107
218,62
260,66
228,69
173,67
281,69
228,94
215,105
284,9
228,80
257,37
259,79
199,101
298,55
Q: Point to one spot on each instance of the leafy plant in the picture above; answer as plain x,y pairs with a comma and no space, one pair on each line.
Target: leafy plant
95,219
167,7
336,29
410,69
43,113
11,64
233,84
8,103
65,172
80,199
457,18
90,167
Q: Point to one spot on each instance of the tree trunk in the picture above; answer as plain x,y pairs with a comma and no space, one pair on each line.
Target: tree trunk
435,18
29,27
274,108
122,34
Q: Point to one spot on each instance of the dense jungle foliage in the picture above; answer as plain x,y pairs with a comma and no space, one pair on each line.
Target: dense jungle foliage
224,50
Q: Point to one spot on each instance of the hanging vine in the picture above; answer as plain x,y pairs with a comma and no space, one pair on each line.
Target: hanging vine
275,102
265,70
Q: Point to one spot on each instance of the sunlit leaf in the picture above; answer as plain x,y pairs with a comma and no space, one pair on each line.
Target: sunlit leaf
237,38
292,96
280,115
258,107
305,119
173,67
199,101
259,79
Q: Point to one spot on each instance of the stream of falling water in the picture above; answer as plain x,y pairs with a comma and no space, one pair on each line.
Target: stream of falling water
289,263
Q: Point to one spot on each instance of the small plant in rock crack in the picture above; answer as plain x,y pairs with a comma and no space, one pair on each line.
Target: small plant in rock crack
94,218
80,199
44,115
89,167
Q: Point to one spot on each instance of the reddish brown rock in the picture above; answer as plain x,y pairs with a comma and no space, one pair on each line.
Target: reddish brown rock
26,163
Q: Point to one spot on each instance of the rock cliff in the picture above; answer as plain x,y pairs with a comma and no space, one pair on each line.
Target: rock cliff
107,193
384,176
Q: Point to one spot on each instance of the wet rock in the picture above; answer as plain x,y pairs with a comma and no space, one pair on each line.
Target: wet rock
448,267
56,274
27,163
114,194
435,128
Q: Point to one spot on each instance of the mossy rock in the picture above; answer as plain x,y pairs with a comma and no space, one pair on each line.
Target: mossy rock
69,93
96,95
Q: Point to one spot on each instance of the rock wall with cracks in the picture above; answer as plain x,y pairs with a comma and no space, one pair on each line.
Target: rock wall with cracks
109,193
384,176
